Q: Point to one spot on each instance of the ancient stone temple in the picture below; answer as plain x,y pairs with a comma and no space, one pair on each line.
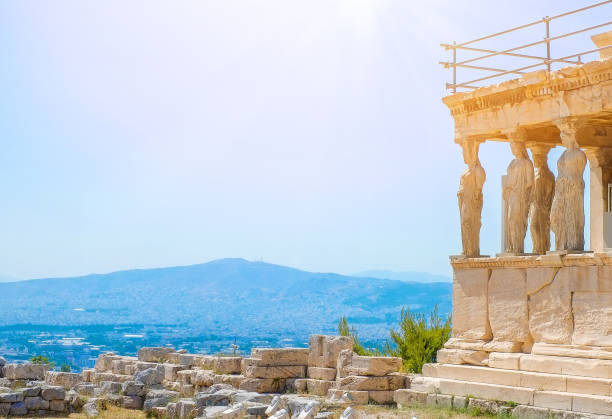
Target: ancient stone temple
534,326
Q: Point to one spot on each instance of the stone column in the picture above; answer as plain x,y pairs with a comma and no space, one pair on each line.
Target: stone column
470,198
544,189
600,163
567,211
517,193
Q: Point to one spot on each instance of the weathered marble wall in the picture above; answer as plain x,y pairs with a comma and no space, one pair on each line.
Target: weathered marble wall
534,304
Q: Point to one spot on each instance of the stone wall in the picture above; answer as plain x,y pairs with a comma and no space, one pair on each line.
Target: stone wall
175,384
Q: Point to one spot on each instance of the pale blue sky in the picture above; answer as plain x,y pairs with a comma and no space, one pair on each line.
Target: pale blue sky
304,133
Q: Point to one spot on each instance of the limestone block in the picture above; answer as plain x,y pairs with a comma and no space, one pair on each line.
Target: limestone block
440,400
184,376
104,361
281,414
263,385
470,306
479,374
25,371
324,350
381,397
469,344
150,376
90,409
280,356
275,372
309,411
11,397
171,371
460,402
109,376
133,388
550,313
85,389
592,318
507,361
36,403
64,379
596,368
202,378
425,384
507,304
543,381
599,405
588,385
318,387
276,404
350,363
110,387
352,382
18,409
573,351
157,354
207,362
228,365
487,391
236,411
31,391
319,373
187,360
53,393
349,413
57,405
87,374
141,366
407,397
538,277
232,379
461,356
298,385
348,396
131,402
503,346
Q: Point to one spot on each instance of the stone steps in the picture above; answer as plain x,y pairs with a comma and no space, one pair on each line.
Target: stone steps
524,379
583,403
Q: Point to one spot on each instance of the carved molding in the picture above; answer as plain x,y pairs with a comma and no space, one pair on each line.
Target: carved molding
553,259
533,85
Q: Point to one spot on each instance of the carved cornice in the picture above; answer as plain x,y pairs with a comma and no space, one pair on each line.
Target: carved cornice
530,86
532,261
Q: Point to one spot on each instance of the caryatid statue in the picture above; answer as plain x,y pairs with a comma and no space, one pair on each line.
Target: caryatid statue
470,199
543,191
517,193
567,212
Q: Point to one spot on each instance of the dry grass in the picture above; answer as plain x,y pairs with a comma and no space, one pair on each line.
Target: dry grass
113,412
419,412
367,412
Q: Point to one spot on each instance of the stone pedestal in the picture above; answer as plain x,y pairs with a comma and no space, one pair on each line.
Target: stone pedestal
533,330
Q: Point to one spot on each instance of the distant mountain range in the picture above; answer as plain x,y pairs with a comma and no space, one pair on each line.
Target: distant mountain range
203,305
406,276
5,278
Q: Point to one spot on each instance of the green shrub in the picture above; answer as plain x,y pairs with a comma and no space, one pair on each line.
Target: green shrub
418,338
345,330
65,368
39,359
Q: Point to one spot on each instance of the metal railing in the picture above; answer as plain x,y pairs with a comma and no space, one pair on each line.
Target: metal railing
542,60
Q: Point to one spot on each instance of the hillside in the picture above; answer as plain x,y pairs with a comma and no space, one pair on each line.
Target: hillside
206,306
408,276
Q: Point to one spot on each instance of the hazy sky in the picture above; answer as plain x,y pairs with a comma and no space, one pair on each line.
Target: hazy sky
304,133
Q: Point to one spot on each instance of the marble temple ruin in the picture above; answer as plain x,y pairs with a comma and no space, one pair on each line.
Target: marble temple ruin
534,326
